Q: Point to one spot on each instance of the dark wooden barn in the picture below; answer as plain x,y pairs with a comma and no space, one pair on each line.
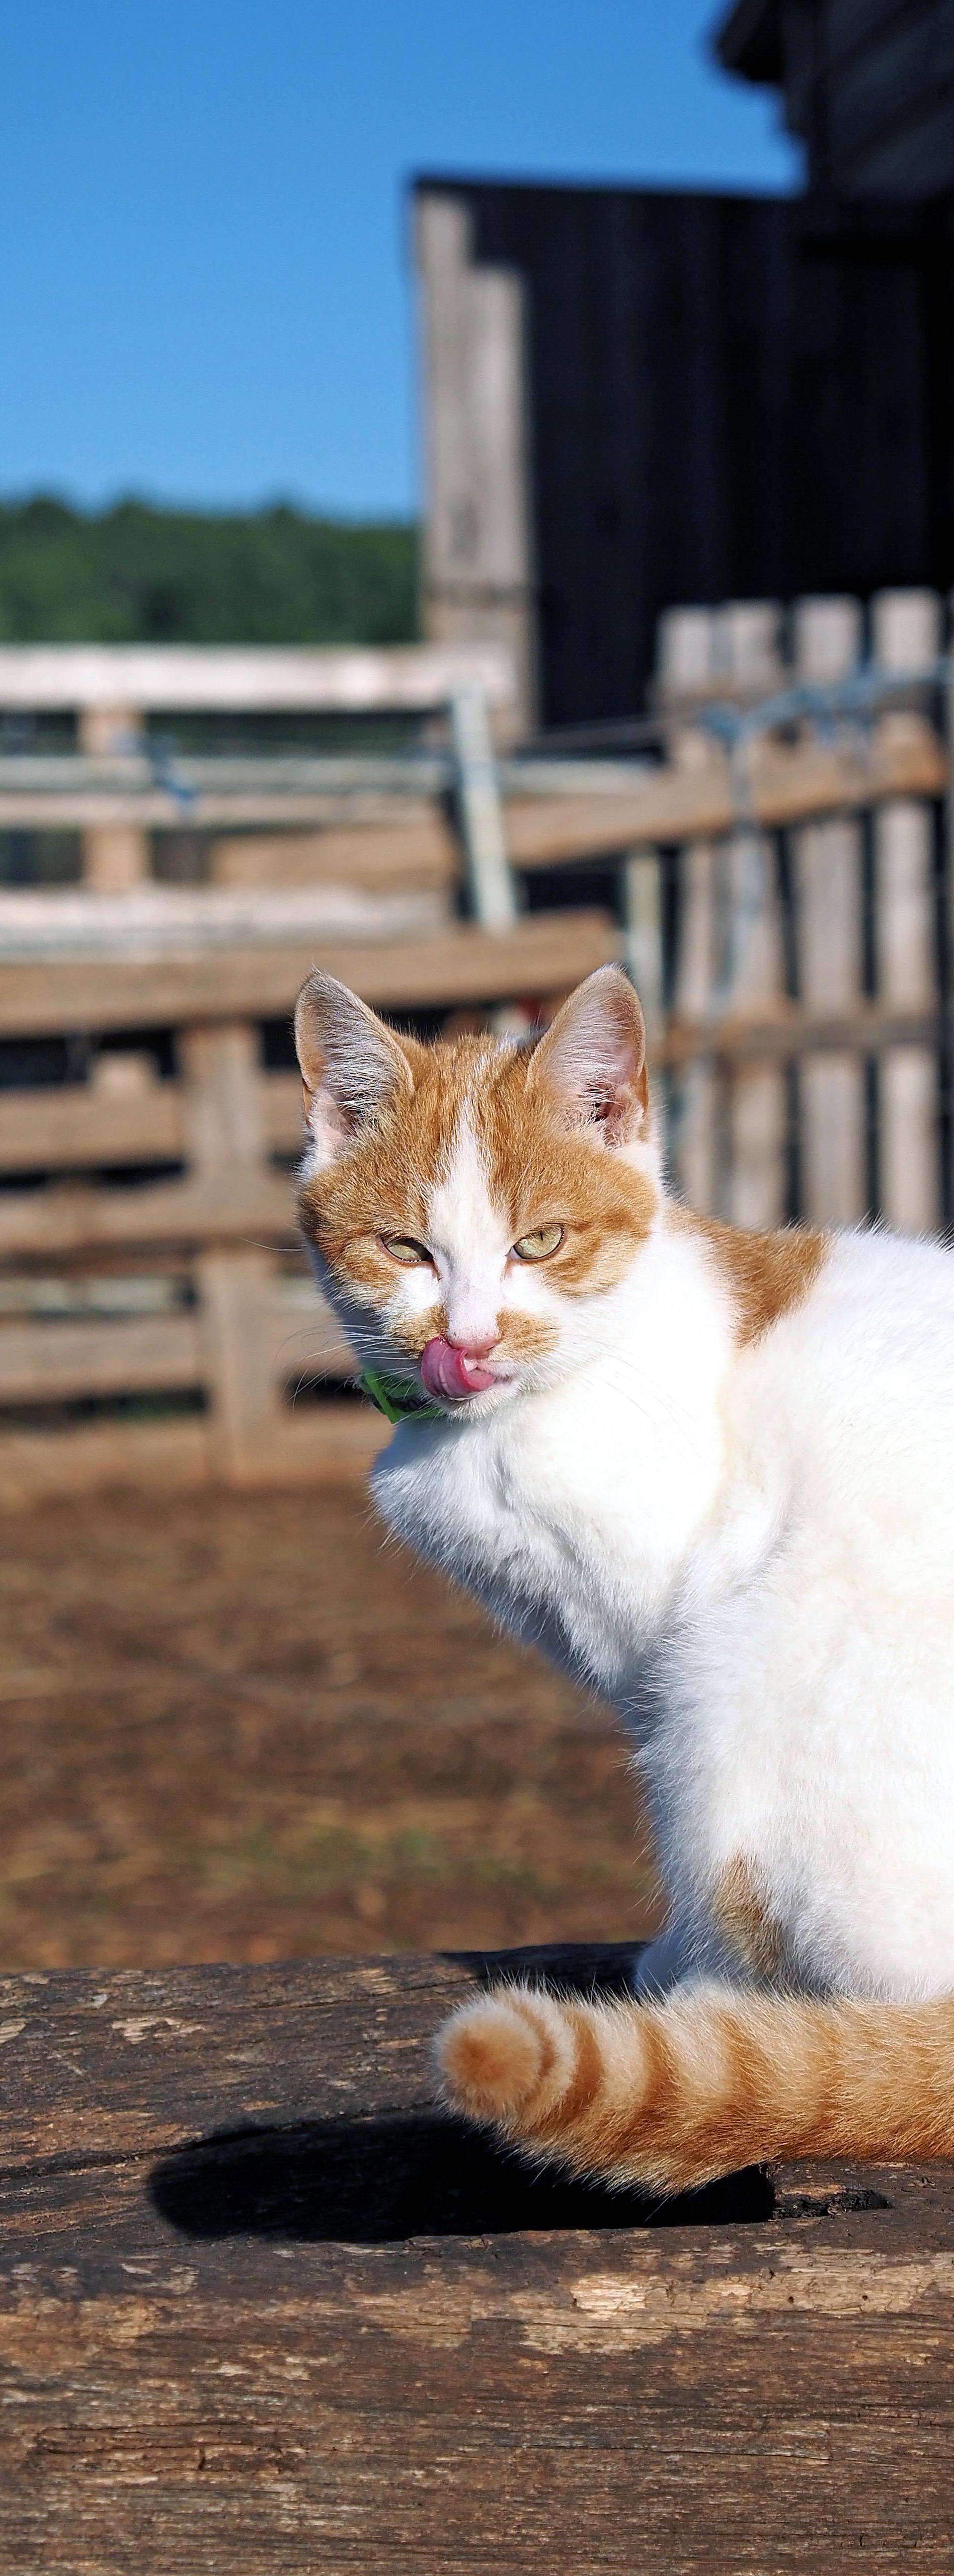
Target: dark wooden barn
868,87
636,397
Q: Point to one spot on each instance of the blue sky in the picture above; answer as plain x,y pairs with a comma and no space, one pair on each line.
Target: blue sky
205,292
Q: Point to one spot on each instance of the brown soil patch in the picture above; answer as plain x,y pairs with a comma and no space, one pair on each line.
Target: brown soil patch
249,1728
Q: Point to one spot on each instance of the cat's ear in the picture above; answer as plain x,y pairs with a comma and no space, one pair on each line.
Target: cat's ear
592,1058
350,1063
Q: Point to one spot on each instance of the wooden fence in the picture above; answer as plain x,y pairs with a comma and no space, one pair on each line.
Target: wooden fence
804,997
780,896
156,1316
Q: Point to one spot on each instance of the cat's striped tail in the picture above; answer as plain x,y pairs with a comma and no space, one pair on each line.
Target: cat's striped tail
673,2094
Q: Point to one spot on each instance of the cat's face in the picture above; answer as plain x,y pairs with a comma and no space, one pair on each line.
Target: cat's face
472,1205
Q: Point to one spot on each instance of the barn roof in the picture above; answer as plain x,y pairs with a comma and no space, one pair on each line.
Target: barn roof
748,40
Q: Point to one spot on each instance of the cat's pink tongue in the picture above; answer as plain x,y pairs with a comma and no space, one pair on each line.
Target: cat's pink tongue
448,1372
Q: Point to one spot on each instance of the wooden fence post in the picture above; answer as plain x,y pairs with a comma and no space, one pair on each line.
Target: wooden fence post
829,950
906,627
686,654
745,647
751,966
480,813
225,1141
642,909
478,569
115,855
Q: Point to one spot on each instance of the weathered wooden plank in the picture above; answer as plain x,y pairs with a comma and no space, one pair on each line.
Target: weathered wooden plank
54,1360
906,632
541,954
326,1444
116,856
70,1124
674,805
260,2304
73,1218
829,949
418,850
686,651
287,2437
224,1134
787,1031
478,545
66,1125
750,958
160,921
349,678
70,1218
662,806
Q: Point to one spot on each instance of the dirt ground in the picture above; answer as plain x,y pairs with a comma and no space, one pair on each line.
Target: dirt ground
249,1728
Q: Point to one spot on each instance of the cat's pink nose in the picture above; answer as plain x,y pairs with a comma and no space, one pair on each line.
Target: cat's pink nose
451,1373
475,1346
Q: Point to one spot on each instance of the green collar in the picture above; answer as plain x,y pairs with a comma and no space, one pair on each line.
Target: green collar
398,1401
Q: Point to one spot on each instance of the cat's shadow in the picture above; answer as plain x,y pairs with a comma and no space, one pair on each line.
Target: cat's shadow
379,2180
374,2182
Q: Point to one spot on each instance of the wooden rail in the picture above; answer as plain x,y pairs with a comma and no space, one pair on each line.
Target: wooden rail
261,2305
665,806
782,787
348,679
112,795
221,1228
462,964
811,941
779,908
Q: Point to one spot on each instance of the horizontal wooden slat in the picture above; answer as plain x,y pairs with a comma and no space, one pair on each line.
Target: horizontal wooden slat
67,1221
50,1361
323,1444
675,805
350,679
72,1127
539,955
785,1033
62,1221
65,1126
148,922
357,788
55,1356
53,1361
157,809
73,1123
663,806
420,850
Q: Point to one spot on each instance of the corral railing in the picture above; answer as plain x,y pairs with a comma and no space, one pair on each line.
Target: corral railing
772,866
804,988
155,1314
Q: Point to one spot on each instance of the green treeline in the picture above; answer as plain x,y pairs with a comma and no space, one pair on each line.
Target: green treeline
137,574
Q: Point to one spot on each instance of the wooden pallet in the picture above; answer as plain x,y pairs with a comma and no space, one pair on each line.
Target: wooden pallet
261,2307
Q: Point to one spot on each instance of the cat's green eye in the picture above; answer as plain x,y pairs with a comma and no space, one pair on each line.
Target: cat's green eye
538,1247
403,1248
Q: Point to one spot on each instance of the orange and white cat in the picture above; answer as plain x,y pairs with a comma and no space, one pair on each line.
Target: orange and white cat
712,1475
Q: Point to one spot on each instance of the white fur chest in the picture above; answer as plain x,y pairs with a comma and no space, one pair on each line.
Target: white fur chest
573,1513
